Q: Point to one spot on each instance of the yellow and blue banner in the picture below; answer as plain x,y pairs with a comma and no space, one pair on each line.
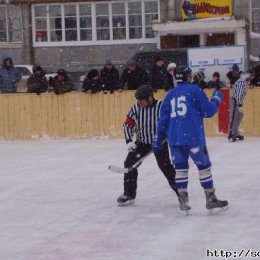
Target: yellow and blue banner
196,9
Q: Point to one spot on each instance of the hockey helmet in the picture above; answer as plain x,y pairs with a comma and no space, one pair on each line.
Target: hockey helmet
144,92
183,73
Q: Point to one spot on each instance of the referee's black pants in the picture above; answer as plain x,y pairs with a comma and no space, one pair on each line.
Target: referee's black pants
163,161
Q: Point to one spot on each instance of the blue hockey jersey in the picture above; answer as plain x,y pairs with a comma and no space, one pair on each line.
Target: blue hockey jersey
182,113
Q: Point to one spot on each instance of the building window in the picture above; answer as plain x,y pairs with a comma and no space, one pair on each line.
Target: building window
91,23
216,39
119,21
102,21
256,16
180,41
10,24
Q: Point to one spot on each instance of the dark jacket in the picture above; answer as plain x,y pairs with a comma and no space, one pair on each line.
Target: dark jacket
215,84
61,87
133,79
91,84
109,79
9,76
37,83
159,77
202,84
171,81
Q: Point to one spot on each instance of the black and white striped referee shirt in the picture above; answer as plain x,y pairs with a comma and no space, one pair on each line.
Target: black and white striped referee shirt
142,122
239,91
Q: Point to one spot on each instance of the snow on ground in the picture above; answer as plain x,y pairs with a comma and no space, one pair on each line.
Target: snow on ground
58,202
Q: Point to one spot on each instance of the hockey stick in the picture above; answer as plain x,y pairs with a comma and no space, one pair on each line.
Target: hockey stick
118,169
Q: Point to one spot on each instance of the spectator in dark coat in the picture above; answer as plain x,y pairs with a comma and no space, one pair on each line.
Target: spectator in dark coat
215,82
256,80
109,77
198,78
92,83
133,76
171,77
159,75
37,83
233,75
9,76
61,83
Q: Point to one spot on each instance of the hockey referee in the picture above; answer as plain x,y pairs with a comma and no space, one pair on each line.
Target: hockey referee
141,121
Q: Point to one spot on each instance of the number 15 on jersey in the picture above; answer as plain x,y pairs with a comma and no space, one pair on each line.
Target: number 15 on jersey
179,107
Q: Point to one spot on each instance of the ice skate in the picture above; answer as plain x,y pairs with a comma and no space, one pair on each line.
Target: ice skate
125,200
240,137
214,205
231,138
184,202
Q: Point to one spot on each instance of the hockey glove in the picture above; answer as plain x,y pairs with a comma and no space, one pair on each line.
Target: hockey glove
131,146
217,96
157,145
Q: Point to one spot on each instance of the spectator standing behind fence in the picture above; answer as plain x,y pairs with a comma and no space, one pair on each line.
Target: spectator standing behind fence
37,83
233,75
198,78
92,83
109,77
256,80
9,76
159,75
61,83
171,78
215,82
133,76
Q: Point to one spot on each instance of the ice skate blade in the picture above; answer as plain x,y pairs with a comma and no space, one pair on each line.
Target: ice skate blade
217,210
128,203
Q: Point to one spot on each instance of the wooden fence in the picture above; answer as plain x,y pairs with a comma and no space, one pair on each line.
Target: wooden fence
80,115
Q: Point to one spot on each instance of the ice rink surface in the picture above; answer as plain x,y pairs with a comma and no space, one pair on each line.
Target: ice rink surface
58,202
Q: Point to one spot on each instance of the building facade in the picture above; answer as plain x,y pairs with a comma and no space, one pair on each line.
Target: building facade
77,35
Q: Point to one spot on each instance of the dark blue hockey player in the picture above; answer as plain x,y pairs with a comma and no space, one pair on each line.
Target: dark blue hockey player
181,121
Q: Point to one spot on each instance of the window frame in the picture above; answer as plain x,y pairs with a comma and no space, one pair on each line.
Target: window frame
94,28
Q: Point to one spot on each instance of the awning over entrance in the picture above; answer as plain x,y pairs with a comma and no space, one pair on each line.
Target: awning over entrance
199,26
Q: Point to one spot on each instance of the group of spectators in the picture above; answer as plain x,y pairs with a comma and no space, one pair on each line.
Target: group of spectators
36,83
160,76
132,77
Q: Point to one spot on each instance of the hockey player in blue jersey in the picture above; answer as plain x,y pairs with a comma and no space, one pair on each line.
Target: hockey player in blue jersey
181,122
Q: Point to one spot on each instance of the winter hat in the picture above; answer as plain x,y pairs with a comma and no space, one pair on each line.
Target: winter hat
37,68
235,67
62,72
171,65
92,74
131,63
158,58
216,74
108,62
5,59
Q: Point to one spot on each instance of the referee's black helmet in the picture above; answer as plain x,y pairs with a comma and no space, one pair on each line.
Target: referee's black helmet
144,92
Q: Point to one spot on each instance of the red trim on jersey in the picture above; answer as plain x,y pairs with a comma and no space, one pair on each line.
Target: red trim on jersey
129,121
